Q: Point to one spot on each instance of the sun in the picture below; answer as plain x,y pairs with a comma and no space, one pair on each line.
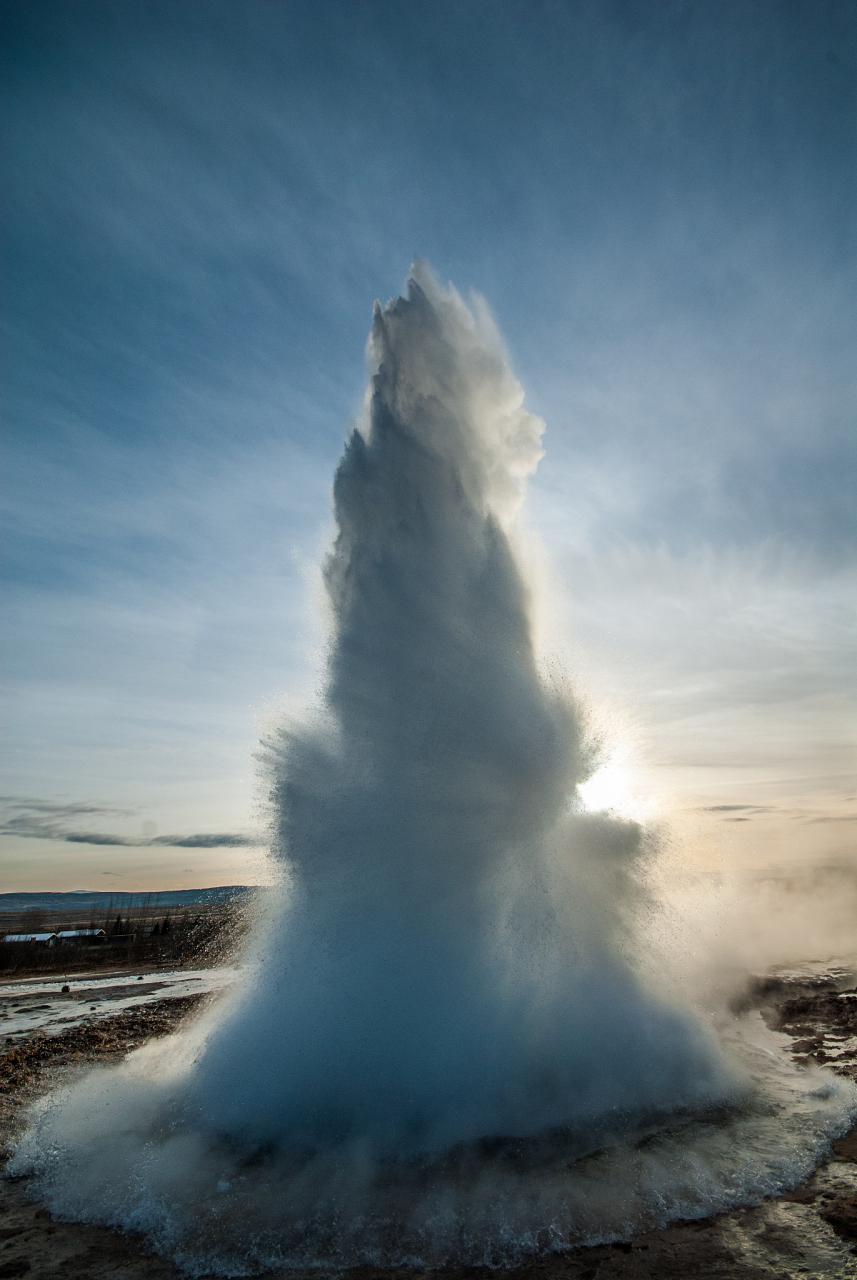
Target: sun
615,788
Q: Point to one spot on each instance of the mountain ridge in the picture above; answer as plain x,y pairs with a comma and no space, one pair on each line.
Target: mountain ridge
98,898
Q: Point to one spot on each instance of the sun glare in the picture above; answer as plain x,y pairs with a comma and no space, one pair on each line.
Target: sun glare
612,789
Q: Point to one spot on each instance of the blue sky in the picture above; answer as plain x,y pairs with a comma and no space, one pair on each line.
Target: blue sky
202,202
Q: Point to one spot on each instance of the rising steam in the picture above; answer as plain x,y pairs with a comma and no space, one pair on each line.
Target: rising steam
442,1047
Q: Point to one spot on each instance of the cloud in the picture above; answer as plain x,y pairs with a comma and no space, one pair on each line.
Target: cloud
731,808
27,821
60,810
200,841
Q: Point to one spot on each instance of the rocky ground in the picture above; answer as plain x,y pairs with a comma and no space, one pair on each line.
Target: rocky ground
809,1232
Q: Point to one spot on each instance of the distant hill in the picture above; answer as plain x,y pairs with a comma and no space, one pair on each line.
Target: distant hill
18,902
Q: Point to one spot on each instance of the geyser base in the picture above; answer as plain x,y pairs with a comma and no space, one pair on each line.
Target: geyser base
223,1209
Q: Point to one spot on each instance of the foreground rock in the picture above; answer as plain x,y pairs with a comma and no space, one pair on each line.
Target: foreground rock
809,1232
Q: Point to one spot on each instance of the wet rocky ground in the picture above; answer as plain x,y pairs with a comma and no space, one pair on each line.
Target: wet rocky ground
37,1005
808,1232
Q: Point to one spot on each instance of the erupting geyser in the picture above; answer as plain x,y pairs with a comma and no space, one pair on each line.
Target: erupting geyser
441,1047
449,970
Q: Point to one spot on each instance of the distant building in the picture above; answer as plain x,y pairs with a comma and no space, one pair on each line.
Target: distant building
79,935
45,939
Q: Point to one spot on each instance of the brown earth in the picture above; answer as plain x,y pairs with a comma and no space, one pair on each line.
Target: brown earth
808,1232
24,1067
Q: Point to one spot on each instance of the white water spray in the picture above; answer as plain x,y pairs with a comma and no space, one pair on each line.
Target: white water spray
442,1049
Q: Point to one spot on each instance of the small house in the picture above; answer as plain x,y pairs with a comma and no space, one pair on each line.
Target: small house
43,939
